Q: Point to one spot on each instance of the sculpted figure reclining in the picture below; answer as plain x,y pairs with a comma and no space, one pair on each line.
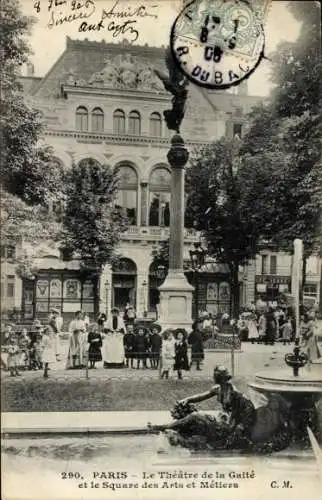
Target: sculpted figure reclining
240,427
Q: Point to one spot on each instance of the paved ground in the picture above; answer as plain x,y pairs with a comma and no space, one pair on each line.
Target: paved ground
251,359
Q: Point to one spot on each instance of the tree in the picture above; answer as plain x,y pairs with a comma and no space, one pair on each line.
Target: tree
28,169
92,226
222,199
285,135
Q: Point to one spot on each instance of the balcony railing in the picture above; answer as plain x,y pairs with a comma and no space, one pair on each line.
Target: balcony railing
155,232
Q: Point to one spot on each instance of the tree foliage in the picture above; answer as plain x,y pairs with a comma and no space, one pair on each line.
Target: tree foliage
92,225
222,199
285,135
28,169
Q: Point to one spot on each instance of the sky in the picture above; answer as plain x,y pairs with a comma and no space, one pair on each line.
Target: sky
49,43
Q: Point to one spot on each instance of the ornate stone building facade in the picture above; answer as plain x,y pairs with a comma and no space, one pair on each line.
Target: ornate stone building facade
103,101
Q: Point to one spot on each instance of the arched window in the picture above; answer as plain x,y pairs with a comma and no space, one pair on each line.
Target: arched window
81,119
160,194
97,120
134,123
128,192
155,125
124,283
119,122
155,280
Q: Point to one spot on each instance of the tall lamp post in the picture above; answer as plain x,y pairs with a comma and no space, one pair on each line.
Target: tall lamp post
144,285
107,286
197,258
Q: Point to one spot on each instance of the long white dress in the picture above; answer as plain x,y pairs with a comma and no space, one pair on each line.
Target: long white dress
48,345
113,347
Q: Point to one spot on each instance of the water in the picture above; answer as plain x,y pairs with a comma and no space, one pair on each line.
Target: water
55,467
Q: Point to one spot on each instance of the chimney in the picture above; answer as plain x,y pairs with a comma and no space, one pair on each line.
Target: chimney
30,69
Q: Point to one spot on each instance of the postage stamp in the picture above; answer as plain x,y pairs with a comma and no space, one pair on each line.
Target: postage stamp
219,43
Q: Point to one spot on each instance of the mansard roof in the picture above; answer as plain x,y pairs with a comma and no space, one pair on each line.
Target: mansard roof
84,60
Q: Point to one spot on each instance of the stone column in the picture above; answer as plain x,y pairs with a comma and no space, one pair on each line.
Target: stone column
144,203
175,306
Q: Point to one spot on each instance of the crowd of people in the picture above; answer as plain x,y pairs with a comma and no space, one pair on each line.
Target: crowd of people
118,342
122,341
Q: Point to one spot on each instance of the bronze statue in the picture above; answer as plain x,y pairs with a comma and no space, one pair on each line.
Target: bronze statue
240,427
176,83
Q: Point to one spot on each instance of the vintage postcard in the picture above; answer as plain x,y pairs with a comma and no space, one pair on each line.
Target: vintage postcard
161,277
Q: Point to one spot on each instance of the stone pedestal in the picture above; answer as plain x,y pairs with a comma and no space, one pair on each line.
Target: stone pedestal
175,306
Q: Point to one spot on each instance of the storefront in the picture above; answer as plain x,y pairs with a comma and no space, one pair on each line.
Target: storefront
268,288
69,291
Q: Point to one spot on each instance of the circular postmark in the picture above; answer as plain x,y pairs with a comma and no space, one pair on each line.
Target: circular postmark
218,43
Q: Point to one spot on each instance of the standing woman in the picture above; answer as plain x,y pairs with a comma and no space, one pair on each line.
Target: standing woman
113,345
77,345
48,344
197,349
308,338
94,340
181,352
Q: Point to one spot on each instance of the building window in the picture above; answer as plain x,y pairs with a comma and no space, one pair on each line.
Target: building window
155,125
124,282
8,252
160,195
273,264
237,129
10,287
310,290
82,119
119,122
265,259
97,120
134,123
127,195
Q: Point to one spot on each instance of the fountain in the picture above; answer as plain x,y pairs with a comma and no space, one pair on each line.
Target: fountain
301,389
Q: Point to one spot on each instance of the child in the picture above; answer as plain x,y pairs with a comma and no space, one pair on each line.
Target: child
287,331
168,353
155,345
35,336
94,339
181,352
197,349
141,346
48,346
13,355
23,343
129,344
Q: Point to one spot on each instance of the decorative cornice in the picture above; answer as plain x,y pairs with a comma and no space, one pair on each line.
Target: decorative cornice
120,93
90,138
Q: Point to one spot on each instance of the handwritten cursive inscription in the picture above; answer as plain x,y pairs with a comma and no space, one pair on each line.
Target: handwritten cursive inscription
120,19
116,12
79,9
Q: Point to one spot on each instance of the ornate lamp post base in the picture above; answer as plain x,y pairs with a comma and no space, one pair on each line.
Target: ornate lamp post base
175,305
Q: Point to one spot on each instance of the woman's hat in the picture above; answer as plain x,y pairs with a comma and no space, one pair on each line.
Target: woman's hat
37,324
115,309
155,326
55,310
180,330
221,374
167,332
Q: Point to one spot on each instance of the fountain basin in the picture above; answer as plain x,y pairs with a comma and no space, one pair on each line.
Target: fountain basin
308,382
